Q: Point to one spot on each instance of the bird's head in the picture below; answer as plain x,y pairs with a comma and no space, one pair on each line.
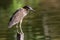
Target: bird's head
28,8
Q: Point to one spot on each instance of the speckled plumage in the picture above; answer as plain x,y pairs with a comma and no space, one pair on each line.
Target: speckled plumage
18,16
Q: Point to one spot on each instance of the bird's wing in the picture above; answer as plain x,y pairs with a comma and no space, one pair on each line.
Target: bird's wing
13,15
13,18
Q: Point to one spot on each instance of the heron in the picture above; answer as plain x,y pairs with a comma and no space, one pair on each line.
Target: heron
18,17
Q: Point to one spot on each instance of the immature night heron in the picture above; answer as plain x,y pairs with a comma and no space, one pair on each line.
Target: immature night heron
18,16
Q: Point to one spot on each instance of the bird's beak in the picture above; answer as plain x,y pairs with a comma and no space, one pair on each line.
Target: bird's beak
32,9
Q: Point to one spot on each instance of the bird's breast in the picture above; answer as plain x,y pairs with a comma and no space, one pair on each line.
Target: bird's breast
24,12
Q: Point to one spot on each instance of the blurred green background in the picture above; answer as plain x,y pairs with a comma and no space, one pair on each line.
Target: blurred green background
43,24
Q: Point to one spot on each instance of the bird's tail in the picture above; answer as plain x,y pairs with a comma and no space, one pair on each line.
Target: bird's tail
10,25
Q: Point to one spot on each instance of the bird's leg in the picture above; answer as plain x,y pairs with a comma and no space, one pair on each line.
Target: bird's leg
20,26
17,28
21,33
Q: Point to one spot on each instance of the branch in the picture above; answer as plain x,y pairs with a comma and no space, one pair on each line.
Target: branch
20,36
